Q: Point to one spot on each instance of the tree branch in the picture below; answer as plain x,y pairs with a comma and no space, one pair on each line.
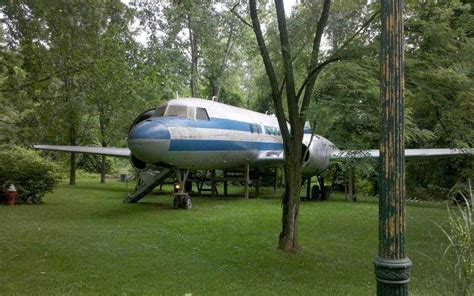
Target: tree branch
282,85
291,99
317,69
309,86
269,69
334,57
50,76
221,75
363,27
239,16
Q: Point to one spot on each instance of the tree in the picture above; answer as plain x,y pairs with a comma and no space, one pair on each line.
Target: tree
54,38
292,120
440,90
75,59
110,84
204,44
297,104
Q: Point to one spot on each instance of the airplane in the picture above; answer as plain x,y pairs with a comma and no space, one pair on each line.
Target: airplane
195,134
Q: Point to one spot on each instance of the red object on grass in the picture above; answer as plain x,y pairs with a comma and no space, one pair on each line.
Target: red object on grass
11,195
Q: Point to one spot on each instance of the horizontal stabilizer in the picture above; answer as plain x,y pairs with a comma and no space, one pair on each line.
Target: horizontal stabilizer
340,154
109,151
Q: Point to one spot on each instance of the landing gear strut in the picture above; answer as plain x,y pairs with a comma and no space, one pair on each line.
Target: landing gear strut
319,192
181,200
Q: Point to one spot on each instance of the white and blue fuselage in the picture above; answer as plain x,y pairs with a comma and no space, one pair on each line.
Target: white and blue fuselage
202,134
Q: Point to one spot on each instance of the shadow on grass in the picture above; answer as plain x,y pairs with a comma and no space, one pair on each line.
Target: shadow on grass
148,205
128,210
427,204
99,187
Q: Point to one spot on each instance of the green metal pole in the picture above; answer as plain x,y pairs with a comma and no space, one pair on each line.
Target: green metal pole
392,267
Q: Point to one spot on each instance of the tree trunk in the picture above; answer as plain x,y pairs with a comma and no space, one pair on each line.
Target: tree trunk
292,139
350,185
218,83
102,169
72,168
194,57
291,200
102,127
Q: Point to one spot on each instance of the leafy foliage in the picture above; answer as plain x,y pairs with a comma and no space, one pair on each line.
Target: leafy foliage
93,163
32,175
439,71
460,234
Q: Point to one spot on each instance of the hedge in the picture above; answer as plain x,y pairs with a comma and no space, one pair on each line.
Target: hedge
32,175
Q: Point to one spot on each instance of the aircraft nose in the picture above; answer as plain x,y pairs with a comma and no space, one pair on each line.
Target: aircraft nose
149,130
149,140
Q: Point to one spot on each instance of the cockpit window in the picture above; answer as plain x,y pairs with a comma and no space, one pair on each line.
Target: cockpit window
177,110
160,111
201,114
182,111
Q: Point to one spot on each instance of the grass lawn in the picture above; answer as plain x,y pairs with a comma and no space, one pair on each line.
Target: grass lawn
84,240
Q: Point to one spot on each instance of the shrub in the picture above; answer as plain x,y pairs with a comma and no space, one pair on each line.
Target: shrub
460,234
32,175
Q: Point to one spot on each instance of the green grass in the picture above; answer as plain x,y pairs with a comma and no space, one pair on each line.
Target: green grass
83,240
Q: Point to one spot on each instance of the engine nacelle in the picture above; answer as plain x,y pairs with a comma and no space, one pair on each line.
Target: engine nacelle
316,154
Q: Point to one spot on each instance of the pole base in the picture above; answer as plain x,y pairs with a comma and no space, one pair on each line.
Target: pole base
392,275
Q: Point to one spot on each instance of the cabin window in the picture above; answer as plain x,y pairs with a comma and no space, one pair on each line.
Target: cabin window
201,114
255,128
273,131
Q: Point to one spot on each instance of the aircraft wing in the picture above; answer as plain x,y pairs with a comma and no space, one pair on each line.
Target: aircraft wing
340,154
109,151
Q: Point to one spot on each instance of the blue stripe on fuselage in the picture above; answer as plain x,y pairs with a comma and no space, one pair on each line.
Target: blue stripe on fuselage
214,123
221,145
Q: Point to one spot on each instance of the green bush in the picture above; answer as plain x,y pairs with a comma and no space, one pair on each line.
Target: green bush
460,233
31,174
93,163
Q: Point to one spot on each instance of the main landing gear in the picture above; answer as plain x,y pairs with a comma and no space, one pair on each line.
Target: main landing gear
319,191
181,200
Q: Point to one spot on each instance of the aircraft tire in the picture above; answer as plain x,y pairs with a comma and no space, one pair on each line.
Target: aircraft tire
176,202
186,203
315,192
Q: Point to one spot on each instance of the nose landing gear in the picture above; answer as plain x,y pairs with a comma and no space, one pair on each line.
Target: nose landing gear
181,200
